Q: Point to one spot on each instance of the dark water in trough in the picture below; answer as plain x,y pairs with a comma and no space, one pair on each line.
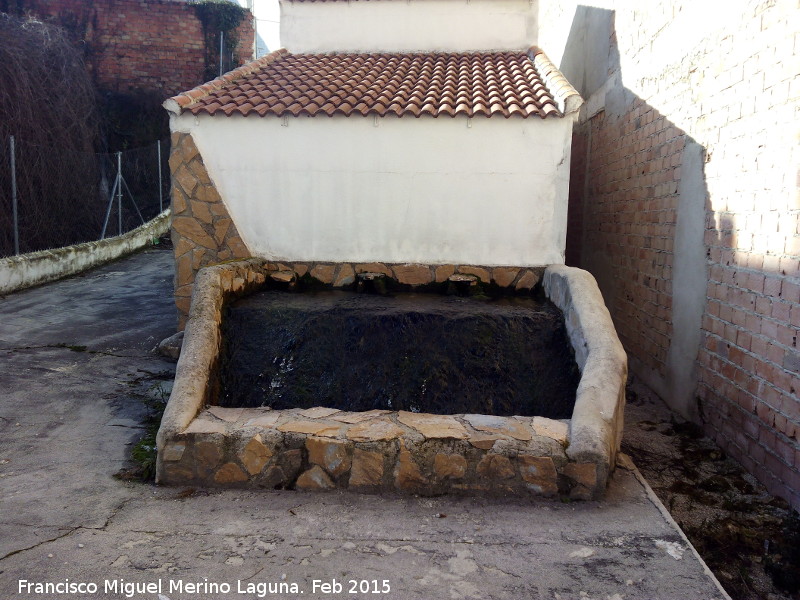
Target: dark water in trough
417,352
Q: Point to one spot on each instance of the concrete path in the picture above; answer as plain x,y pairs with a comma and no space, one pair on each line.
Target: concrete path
76,366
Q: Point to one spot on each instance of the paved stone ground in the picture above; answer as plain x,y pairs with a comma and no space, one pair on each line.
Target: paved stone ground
69,414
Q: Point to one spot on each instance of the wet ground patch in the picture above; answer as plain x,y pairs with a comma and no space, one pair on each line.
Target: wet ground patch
748,538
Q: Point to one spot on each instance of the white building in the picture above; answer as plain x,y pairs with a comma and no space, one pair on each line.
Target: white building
421,131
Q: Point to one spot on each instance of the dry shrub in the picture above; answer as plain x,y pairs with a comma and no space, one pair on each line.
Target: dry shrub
47,103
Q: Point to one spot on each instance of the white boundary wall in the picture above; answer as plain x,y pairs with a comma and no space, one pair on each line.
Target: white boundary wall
354,189
34,268
413,25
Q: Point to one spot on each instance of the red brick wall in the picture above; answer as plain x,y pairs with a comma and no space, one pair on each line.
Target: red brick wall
577,167
628,221
735,91
154,45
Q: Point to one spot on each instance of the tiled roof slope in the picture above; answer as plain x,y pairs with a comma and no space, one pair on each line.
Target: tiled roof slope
436,84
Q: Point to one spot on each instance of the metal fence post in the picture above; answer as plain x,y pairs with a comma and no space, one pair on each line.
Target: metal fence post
221,41
119,193
15,215
160,185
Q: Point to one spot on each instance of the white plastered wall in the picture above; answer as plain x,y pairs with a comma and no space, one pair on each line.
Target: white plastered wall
355,189
413,25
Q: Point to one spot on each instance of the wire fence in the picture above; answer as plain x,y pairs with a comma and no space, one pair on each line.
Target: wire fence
50,198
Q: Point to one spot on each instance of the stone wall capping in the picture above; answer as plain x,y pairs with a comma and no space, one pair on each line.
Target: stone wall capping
595,431
320,448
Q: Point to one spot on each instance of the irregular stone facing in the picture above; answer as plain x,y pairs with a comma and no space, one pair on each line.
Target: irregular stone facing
410,274
367,469
311,427
449,466
323,273
230,473
506,426
318,412
408,475
174,452
269,419
443,272
359,417
332,455
374,431
504,276
231,415
557,430
482,274
315,479
255,455
374,451
539,473
345,276
484,442
208,455
528,280
495,466
199,220
433,426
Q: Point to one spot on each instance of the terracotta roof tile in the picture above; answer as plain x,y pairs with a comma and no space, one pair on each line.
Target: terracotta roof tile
438,84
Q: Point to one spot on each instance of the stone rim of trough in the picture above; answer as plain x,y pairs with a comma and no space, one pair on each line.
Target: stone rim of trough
595,429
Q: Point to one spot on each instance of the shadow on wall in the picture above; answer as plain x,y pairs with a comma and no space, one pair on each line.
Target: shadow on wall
703,313
637,205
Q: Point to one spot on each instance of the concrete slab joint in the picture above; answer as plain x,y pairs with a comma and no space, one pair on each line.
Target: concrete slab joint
323,448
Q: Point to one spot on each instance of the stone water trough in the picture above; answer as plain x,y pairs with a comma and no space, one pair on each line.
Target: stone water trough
411,160
319,448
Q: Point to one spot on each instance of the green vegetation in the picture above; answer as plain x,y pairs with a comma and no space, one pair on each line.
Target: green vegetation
219,17
144,452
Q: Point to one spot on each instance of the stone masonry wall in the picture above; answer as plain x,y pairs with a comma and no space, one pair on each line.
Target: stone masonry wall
202,230
701,104
322,448
154,45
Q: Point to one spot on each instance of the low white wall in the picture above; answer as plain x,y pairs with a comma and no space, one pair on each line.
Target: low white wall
354,189
413,25
26,270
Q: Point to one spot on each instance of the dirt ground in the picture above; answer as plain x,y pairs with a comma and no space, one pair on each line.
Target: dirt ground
749,539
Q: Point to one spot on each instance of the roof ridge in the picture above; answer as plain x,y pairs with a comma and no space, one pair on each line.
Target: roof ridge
566,96
176,104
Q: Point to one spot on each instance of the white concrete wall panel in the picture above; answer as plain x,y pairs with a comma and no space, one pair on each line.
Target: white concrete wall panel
480,191
414,25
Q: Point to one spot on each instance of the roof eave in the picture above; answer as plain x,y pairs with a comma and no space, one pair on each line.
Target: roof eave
567,98
177,104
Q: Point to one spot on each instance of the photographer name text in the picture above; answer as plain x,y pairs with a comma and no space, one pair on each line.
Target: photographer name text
205,588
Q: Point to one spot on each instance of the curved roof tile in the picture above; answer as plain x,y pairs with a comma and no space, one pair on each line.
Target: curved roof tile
478,83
